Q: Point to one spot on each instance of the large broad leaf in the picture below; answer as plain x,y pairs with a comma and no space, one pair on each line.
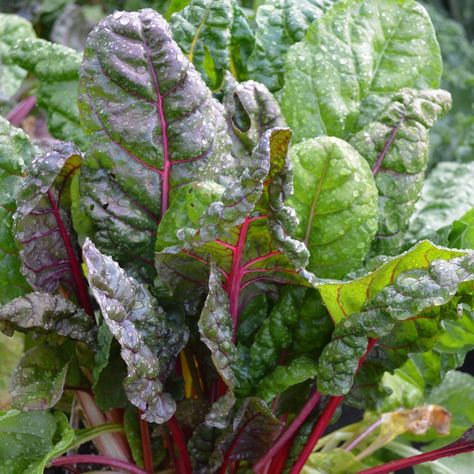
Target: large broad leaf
406,313
12,29
149,342
352,60
335,199
29,441
154,126
280,24
47,313
43,227
204,30
244,230
57,69
11,350
395,143
16,152
251,110
447,195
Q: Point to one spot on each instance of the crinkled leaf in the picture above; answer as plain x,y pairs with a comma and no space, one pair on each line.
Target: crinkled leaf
245,231
16,152
57,69
215,327
250,110
29,441
395,144
405,313
280,24
335,198
12,29
47,313
11,350
149,342
242,42
38,380
447,195
154,126
43,228
352,60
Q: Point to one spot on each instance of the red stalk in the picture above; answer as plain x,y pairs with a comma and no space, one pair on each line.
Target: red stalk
95,459
324,420
21,110
146,445
288,434
178,438
458,447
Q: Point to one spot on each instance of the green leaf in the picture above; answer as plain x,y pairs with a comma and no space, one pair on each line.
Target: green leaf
132,432
149,343
47,313
154,127
446,196
38,380
16,152
335,199
352,60
395,143
280,24
215,327
12,29
29,441
393,314
11,349
335,461
57,69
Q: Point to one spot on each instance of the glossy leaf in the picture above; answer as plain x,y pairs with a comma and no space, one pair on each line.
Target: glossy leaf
16,152
335,199
395,307
47,313
352,60
49,253
57,69
29,441
12,29
395,143
38,380
154,126
280,24
149,342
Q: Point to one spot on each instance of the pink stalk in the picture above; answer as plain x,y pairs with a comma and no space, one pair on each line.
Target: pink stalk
363,435
290,431
95,459
21,110
178,438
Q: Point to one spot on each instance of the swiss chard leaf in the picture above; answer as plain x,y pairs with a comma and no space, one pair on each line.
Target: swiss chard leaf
352,60
280,24
57,69
45,312
11,350
12,29
16,152
335,198
29,441
148,341
154,126
43,225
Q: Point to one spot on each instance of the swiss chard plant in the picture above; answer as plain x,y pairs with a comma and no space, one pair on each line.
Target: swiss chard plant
217,236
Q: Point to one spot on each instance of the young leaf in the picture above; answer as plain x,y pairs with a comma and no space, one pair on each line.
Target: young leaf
43,224
57,69
45,312
12,29
38,380
29,441
352,60
16,152
335,461
395,143
280,24
335,199
149,342
154,127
